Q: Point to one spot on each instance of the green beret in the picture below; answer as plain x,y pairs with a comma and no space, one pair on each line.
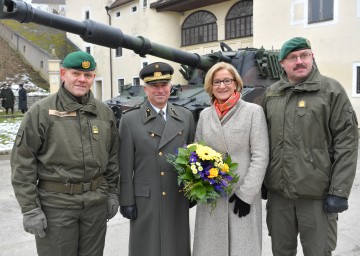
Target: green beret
156,72
79,60
294,44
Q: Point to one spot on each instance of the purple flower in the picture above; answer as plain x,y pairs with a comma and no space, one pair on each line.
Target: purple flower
193,157
228,178
223,183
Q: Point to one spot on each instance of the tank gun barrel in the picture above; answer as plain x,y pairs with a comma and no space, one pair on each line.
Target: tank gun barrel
101,34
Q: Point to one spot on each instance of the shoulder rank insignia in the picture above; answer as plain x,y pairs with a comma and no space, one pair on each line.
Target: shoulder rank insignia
129,109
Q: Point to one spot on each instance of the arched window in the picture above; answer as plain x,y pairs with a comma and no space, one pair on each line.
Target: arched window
199,27
239,20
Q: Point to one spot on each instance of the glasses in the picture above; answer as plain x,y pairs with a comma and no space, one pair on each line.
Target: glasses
226,81
304,56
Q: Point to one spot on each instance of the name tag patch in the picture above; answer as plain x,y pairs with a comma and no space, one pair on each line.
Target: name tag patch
53,112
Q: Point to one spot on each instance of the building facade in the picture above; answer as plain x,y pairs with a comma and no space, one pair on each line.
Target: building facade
199,26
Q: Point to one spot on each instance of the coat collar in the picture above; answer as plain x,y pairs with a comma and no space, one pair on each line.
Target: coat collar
148,113
70,103
173,126
312,82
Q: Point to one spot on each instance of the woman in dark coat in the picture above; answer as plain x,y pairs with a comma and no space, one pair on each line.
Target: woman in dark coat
22,99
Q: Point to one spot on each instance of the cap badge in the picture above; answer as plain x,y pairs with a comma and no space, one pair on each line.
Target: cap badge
157,66
85,64
308,42
157,74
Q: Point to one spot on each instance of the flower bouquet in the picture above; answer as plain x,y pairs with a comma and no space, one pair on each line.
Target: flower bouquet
203,173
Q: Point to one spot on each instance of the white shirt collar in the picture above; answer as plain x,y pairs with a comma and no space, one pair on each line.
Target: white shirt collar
158,109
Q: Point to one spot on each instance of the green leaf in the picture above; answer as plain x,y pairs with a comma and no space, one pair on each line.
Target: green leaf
186,176
208,187
198,190
192,148
182,152
181,160
227,160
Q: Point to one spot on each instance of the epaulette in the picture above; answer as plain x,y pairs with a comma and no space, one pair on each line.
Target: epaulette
132,108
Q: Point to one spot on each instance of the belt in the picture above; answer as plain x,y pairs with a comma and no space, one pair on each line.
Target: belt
69,188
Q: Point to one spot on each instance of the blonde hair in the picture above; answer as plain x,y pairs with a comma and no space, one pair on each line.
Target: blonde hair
208,85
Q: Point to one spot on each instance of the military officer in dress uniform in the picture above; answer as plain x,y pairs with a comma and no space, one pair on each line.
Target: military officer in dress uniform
65,169
149,194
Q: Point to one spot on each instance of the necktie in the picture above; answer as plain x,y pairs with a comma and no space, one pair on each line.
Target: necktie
161,114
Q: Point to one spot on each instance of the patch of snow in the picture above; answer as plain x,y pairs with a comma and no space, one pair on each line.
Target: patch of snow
8,129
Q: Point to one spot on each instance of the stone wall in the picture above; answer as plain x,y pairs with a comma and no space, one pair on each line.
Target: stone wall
30,100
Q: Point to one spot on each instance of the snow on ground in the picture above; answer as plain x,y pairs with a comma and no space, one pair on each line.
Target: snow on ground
8,129
9,125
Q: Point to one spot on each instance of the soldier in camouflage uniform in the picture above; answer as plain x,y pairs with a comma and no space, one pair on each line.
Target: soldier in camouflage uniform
65,166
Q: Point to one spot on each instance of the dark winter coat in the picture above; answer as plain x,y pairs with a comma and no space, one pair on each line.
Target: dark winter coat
23,99
2,97
148,181
9,98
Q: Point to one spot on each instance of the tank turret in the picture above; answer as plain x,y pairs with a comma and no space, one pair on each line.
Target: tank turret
258,67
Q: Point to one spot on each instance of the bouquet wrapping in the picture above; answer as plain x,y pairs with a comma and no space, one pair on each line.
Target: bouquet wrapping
204,174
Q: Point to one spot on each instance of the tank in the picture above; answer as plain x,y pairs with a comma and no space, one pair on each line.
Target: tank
258,68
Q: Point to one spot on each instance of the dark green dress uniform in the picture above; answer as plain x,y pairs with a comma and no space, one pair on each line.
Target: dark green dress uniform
65,157
149,182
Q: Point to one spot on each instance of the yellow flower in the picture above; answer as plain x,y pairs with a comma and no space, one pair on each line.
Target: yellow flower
225,168
206,153
188,146
213,173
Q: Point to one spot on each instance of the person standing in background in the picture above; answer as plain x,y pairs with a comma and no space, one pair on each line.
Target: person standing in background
9,97
22,99
2,97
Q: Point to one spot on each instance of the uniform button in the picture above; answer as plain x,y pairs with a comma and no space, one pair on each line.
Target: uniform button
164,193
152,135
162,173
340,191
160,153
180,133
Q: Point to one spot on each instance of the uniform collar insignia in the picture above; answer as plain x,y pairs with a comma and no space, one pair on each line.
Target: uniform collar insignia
174,112
148,112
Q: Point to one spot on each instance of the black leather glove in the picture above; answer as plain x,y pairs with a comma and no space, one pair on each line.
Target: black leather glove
240,206
335,204
129,212
264,192
192,204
